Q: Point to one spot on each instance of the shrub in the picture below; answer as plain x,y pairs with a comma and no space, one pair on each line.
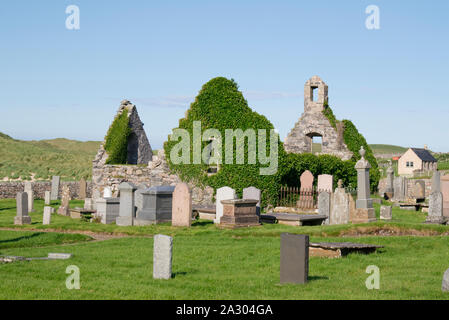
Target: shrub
116,142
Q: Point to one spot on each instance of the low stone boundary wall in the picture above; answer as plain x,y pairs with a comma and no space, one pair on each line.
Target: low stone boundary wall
10,189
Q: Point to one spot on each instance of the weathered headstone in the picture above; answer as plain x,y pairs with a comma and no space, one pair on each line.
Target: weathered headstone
88,204
324,205
22,216
340,206
157,203
306,180
386,213
162,257
445,192
64,209
419,190
445,285
107,192
29,190
224,193
400,188
83,189
47,216
436,182
47,197
294,258
126,214
182,206
55,187
138,198
389,191
108,210
325,183
435,214
253,193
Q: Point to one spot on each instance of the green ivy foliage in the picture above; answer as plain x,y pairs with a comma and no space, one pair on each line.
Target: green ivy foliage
330,115
354,140
220,105
116,142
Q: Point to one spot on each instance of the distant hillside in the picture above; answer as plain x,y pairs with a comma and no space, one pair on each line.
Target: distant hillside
25,160
387,149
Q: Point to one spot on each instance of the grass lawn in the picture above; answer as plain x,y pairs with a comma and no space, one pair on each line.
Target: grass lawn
213,263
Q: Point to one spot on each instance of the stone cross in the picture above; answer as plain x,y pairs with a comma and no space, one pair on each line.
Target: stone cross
47,216
162,257
127,208
253,193
362,166
224,193
22,209
29,190
294,258
55,187
182,206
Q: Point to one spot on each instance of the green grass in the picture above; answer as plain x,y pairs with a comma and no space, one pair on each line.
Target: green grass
386,149
69,159
214,263
20,239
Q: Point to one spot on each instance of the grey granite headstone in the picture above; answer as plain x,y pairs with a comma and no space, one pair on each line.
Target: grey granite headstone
435,214
47,198
108,210
126,214
55,187
156,207
294,258
400,188
253,193
162,257
386,213
436,181
445,286
22,209
47,216
29,190
224,193
324,205
390,180
363,183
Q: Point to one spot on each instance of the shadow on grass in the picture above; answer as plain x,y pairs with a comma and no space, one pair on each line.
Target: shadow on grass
181,273
202,223
314,278
21,238
10,208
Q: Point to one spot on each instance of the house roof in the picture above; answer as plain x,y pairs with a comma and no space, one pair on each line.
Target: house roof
424,155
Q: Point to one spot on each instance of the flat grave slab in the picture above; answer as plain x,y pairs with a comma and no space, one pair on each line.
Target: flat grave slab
293,219
205,212
340,249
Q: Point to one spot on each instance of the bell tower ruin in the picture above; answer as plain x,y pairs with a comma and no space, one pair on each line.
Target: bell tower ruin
314,123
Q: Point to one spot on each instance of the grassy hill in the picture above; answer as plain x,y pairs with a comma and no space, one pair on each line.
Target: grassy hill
24,160
387,149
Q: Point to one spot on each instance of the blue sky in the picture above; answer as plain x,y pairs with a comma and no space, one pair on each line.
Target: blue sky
392,83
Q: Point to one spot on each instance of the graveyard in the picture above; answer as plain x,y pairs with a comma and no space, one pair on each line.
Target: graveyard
290,223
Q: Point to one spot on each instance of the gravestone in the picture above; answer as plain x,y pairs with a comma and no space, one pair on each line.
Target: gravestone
340,206
436,182
445,192
224,193
389,190
64,209
29,190
88,204
22,216
157,203
162,257
126,211
83,189
325,183
386,213
294,258
182,206
419,190
47,216
108,210
306,180
324,205
400,188
107,192
138,199
364,204
239,213
55,187
253,193
47,197
445,285
435,214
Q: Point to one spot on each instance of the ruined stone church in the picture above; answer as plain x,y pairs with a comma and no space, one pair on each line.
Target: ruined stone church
314,123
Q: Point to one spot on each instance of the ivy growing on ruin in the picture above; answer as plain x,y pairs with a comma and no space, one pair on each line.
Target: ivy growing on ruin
116,141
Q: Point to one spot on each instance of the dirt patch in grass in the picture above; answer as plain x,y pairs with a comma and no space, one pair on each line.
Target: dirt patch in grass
386,231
